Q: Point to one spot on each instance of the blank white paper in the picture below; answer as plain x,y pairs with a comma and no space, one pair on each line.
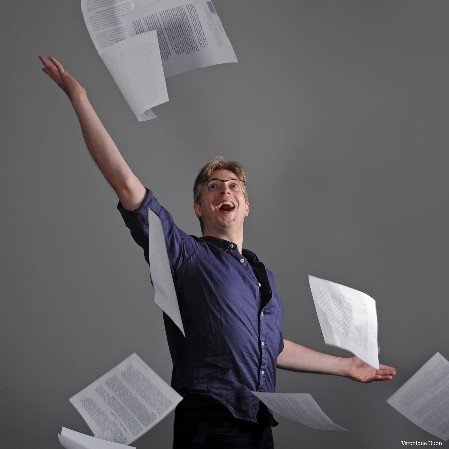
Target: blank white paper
164,289
136,66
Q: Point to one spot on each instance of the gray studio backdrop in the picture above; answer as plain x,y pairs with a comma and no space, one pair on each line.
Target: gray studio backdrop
339,110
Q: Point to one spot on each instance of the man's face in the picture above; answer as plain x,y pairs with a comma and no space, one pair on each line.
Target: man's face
222,208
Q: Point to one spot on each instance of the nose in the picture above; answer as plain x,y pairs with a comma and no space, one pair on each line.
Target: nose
224,187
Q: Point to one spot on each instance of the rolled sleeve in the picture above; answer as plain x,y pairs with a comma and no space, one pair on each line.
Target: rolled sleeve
180,246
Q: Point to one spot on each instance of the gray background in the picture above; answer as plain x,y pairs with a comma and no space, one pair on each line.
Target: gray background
339,110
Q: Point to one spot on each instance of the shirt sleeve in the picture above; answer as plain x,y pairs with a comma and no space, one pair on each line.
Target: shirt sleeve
180,246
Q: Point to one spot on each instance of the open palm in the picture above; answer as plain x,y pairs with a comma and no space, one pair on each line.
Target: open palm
360,371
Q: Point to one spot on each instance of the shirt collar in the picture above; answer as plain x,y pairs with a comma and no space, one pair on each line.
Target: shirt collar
220,243
226,245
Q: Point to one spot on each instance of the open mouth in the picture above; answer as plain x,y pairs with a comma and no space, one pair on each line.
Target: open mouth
227,206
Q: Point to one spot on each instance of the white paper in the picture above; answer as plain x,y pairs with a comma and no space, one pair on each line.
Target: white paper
190,33
144,2
164,289
136,67
424,398
134,63
125,402
104,21
348,318
300,408
70,439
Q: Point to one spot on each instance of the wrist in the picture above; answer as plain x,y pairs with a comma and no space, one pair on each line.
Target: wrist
78,98
344,366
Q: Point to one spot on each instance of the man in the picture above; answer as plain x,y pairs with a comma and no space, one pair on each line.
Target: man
230,310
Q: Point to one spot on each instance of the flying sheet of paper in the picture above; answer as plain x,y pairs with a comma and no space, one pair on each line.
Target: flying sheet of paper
190,33
70,439
424,398
348,318
164,289
125,402
144,2
135,64
300,408
104,21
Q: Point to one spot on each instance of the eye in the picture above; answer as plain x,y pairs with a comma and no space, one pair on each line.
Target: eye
234,186
213,186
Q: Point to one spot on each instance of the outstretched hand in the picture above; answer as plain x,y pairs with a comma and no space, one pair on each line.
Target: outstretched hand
360,371
54,69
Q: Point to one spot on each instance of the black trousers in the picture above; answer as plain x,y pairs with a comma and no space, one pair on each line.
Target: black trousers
202,422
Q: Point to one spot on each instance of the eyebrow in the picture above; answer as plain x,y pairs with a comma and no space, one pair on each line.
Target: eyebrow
230,179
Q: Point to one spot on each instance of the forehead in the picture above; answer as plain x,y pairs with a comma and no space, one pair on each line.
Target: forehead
223,174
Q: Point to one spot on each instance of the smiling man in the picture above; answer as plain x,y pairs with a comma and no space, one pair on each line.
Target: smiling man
221,200
231,312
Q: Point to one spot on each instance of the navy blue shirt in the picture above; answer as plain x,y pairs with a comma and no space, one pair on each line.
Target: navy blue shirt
230,311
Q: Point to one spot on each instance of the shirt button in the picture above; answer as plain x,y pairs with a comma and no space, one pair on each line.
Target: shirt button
260,285
261,313
231,245
263,343
262,372
242,260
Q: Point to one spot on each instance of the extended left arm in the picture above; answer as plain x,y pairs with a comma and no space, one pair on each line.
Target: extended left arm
296,357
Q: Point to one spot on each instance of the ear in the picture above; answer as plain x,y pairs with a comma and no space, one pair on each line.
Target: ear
247,209
197,209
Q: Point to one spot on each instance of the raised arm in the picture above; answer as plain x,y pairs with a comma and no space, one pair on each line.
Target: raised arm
99,143
296,357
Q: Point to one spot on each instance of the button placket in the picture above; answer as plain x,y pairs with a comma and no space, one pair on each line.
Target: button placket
264,354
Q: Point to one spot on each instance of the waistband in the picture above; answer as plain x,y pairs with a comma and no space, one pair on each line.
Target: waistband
202,405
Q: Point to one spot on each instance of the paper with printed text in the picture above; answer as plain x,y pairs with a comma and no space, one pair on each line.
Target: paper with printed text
70,439
348,319
299,407
126,402
134,64
190,33
424,398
